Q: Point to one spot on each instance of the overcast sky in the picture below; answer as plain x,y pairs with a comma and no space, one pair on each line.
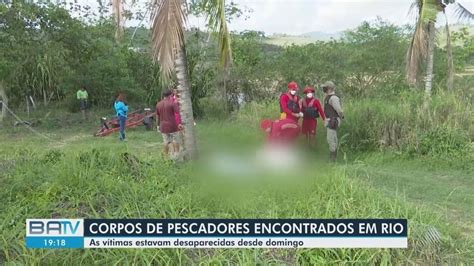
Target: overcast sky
301,16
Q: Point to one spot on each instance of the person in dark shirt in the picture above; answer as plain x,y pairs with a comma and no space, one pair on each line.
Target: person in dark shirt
167,123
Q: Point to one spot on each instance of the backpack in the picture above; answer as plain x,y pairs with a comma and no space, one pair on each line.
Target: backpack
292,105
308,110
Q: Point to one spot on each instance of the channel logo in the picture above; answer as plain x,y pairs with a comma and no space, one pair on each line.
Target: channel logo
54,233
54,227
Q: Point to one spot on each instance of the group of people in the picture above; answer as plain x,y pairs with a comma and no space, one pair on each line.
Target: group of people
284,130
309,109
168,120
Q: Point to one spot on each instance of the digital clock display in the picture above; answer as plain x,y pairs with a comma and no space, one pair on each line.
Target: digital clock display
54,242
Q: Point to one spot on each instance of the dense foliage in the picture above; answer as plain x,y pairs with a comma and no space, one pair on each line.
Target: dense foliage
48,54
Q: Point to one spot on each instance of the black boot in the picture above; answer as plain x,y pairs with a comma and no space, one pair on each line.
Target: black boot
333,156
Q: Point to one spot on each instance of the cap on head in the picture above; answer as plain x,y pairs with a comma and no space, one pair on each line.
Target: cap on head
328,85
292,86
308,89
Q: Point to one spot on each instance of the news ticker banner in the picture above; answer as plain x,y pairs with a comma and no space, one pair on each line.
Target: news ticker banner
216,233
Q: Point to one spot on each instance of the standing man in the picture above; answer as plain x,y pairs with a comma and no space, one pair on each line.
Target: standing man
82,97
289,106
334,114
167,123
311,108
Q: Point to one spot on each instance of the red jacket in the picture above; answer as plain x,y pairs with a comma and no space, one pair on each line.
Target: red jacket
284,99
316,104
283,130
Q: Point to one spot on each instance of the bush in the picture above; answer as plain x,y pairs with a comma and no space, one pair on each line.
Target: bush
71,103
441,128
213,108
443,142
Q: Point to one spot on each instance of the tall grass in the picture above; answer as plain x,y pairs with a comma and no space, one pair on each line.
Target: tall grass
443,128
100,182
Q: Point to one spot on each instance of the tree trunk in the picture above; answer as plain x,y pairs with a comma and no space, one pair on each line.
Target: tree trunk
4,99
226,97
429,60
449,50
185,103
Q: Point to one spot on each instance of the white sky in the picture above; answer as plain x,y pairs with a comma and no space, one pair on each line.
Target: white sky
301,16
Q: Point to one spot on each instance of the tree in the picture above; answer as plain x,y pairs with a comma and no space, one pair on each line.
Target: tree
423,41
168,46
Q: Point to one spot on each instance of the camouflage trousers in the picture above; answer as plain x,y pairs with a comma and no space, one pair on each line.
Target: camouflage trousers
331,137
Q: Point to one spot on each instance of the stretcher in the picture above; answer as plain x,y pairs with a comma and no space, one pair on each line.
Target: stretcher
134,119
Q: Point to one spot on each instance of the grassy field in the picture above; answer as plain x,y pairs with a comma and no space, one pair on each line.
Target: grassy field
78,175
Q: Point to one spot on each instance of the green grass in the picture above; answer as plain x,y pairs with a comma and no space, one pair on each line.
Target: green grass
86,177
446,190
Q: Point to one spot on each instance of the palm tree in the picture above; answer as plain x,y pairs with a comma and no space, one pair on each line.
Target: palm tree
423,41
168,45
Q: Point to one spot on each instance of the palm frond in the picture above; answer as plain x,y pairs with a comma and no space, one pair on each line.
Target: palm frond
167,33
218,23
429,10
463,13
415,7
117,9
417,51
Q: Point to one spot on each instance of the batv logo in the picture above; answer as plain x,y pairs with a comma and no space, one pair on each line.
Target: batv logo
54,227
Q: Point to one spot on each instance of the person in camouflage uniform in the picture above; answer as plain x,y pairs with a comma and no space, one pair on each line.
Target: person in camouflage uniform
334,115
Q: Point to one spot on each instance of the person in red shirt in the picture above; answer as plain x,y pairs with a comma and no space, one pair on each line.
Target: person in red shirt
311,109
289,106
166,121
283,131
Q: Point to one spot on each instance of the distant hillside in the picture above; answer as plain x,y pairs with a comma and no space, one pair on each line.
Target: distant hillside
302,39
322,36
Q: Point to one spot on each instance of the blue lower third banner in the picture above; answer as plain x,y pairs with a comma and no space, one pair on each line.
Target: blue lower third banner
216,233
54,242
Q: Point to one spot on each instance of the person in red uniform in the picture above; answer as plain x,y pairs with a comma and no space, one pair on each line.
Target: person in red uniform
289,106
311,109
283,131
